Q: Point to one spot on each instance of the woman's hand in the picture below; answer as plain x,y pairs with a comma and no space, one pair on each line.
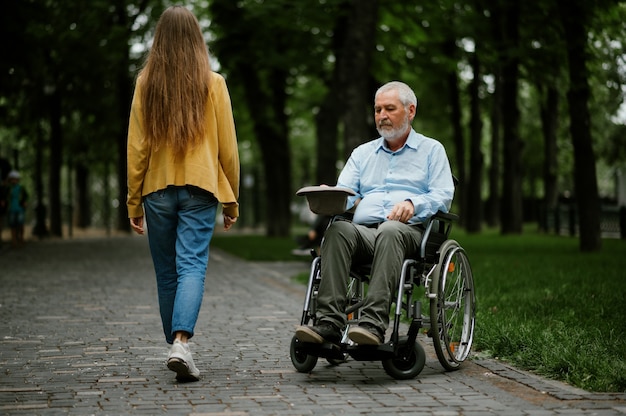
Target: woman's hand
228,222
137,225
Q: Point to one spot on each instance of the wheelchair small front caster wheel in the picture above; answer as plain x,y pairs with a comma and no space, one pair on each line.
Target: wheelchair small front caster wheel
407,364
303,362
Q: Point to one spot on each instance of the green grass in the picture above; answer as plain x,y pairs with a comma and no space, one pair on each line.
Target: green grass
542,304
545,306
255,247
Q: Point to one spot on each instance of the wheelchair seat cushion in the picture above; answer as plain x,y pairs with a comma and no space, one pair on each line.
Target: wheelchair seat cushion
326,200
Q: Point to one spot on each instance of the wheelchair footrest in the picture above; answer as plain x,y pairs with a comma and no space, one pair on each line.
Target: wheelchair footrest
371,352
325,350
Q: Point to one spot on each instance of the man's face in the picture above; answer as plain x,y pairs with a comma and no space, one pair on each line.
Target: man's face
392,118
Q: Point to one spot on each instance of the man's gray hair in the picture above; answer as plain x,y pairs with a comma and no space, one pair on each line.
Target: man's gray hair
405,93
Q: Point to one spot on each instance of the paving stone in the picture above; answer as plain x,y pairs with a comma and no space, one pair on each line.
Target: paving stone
81,335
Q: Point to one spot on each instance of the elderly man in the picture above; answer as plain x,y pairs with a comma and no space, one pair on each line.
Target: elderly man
400,179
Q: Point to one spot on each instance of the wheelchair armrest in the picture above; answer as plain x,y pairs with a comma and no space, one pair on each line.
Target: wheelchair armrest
441,234
345,216
445,216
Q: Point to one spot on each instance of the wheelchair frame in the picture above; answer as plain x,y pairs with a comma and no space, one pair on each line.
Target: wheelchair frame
443,269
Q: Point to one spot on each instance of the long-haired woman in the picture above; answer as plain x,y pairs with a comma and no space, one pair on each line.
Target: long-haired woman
182,163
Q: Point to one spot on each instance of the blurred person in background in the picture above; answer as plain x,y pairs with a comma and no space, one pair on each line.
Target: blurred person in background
16,199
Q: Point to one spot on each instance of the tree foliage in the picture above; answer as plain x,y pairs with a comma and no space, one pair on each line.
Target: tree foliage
524,95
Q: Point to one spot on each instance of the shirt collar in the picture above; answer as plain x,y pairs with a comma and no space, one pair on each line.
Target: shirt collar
411,142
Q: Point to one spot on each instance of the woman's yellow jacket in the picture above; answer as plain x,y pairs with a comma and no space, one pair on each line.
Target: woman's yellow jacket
213,165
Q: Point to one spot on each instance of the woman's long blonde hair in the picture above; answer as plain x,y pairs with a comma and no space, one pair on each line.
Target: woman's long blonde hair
175,81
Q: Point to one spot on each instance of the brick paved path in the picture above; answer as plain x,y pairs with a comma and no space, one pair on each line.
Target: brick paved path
80,335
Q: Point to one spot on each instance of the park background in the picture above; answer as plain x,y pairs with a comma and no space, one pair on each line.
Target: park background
526,96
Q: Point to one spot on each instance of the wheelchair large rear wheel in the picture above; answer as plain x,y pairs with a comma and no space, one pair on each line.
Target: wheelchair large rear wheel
303,362
408,363
453,309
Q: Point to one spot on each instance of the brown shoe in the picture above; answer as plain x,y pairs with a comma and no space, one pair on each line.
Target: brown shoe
318,334
366,334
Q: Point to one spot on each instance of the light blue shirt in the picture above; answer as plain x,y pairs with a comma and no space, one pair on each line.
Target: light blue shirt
419,171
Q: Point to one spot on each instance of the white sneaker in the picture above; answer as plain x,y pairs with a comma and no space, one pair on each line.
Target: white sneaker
180,361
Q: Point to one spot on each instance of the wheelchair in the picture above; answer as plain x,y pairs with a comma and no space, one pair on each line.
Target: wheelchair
439,275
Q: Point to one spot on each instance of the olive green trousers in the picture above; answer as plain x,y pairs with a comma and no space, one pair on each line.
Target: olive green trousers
385,247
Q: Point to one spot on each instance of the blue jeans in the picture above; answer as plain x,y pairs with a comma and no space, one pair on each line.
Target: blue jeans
180,222
16,218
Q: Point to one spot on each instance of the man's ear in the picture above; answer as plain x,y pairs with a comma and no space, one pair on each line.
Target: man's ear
412,112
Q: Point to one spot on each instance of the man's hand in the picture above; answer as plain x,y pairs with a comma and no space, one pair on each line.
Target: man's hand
402,211
228,222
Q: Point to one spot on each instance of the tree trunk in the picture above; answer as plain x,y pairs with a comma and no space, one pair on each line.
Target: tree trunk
355,72
277,167
328,118
83,202
495,172
474,205
549,125
327,121
264,84
493,205
124,88
271,131
56,162
124,98
454,98
40,229
573,16
511,209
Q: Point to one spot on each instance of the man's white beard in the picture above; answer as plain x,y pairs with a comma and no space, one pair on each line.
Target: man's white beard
394,133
